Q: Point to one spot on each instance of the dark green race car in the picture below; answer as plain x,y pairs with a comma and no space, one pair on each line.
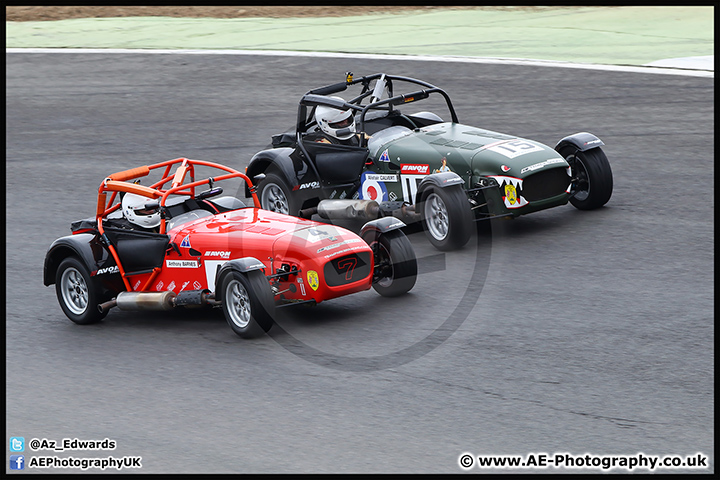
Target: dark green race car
420,167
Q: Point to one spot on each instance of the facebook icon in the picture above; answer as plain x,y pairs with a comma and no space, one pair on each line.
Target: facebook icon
17,462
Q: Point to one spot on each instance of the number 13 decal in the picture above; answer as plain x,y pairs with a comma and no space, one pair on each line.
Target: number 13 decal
515,148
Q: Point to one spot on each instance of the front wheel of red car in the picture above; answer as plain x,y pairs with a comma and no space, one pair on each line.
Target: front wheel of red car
247,303
592,177
395,269
76,293
447,219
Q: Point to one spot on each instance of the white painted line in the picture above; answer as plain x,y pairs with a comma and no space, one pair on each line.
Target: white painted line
419,58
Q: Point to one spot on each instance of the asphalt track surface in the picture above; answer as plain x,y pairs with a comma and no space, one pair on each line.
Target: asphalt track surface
591,332
560,332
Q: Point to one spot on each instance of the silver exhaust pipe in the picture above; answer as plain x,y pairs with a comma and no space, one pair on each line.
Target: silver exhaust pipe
348,209
145,300
159,300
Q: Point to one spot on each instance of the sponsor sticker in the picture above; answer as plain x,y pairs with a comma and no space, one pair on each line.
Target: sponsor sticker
384,157
113,269
218,253
303,186
345,250
185,242
536,166
414,169
337,245
510,194
302,286
313,279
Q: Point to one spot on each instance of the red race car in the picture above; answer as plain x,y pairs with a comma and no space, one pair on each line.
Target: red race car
179,242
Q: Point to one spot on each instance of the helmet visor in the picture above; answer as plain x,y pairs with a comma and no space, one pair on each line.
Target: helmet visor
145,211
342,123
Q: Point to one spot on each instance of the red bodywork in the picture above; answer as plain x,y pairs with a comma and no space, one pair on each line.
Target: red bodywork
304,260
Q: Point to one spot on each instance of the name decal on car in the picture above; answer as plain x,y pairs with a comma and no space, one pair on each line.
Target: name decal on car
181,263
373,186
381,177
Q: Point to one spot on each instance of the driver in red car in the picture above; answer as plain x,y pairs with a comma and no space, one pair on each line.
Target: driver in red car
136,216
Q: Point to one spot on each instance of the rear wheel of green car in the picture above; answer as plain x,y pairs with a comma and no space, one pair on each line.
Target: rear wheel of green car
275,195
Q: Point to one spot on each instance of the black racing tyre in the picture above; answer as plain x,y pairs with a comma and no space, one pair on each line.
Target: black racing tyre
76,292
446,216
275,195
247,303
593,184
395,269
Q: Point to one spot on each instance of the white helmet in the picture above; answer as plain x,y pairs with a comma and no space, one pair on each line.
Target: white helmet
133,208
334,122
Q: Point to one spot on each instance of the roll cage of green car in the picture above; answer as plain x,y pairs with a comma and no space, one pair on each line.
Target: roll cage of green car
383,85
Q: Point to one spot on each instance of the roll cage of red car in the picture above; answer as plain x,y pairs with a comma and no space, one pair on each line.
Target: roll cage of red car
120,182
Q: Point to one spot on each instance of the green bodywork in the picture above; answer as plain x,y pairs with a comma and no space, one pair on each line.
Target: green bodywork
497,169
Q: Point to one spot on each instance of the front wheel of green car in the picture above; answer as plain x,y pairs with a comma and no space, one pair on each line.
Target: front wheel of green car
447,218
592,177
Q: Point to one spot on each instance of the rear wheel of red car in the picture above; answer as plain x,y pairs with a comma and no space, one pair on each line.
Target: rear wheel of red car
395,269
275,195
447,219
247,303
76,293
593,181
